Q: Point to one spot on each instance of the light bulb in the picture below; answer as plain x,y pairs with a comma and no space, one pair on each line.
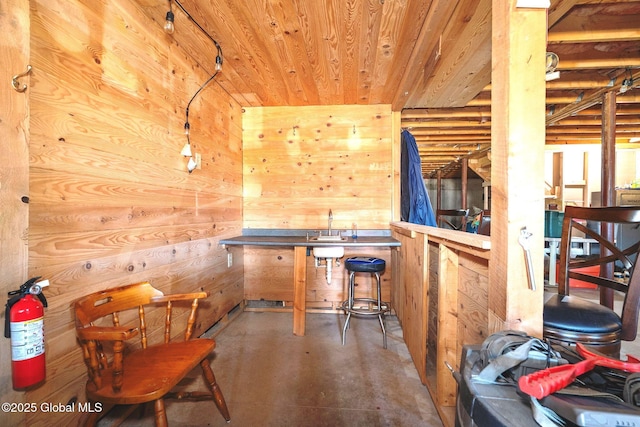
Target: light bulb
186,150
191,164
218,63
187,127
169,28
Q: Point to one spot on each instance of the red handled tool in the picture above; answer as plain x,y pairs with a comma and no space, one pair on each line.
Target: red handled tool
542,383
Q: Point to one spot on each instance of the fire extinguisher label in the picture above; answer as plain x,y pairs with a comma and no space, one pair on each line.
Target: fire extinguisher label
27,339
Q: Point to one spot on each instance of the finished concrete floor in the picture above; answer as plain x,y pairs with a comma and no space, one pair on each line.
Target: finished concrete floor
270,377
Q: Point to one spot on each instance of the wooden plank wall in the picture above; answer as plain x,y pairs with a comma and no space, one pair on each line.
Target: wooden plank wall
111,201
301,162
14,177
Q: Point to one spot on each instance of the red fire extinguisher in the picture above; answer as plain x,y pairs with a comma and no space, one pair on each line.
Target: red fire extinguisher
24,324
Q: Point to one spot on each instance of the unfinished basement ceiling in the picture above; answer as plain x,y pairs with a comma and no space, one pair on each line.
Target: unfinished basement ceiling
430,59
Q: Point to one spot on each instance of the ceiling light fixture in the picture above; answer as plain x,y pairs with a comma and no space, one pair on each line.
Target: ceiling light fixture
552,61
169,27
186,150
627,83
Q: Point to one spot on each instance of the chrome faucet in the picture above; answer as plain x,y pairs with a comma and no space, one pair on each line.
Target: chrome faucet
330,221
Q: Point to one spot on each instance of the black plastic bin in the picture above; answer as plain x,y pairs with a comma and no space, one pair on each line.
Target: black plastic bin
487,405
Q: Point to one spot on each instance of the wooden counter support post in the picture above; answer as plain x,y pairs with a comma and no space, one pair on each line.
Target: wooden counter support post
448,277
299,289
517,145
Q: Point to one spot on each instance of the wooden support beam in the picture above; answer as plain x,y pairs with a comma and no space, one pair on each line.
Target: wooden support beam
464,183
439,186
517,145
589,101
608,178
593,36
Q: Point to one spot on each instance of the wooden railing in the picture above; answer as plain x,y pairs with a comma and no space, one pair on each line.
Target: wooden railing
440,288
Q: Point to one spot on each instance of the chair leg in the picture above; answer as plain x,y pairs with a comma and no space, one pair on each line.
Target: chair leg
160,413
381,315
384,331
344,329
352,293
350,298
218,398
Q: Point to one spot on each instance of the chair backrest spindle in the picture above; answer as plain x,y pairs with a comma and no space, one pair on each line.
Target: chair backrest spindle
191,321
167,323
143,327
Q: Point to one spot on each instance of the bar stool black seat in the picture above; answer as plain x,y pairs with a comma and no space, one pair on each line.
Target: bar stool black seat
365,306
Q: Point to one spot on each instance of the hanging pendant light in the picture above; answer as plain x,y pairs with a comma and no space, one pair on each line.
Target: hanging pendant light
169,29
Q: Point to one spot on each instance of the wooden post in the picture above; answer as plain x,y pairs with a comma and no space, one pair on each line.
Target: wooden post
464,178
517,152
608,175
439,193
299,290
396,153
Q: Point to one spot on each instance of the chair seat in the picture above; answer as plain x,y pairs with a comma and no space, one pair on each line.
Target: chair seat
152,372
365,264
565,312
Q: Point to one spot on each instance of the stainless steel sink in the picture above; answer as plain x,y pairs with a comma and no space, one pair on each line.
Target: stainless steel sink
328,238
328,251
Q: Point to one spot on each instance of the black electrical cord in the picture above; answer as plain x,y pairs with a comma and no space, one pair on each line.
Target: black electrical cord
186,123
218,65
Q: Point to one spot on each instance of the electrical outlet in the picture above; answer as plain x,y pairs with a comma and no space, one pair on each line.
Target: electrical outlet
229,259
198,161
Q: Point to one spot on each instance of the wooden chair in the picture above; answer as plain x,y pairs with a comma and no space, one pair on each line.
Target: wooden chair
456,213
127,376
570,319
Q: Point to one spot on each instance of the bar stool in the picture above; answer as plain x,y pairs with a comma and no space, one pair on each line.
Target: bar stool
364,306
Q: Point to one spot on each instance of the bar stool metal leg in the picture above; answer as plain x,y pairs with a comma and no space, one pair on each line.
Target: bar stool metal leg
366,306
349,303
381,316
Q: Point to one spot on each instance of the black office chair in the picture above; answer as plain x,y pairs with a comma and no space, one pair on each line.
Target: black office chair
569,319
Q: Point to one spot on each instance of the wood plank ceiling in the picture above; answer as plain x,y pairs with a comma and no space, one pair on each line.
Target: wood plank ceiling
430,59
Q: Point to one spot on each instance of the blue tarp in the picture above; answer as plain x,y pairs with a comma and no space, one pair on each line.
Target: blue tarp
420,209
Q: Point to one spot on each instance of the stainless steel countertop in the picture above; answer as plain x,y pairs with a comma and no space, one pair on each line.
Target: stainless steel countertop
274,240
